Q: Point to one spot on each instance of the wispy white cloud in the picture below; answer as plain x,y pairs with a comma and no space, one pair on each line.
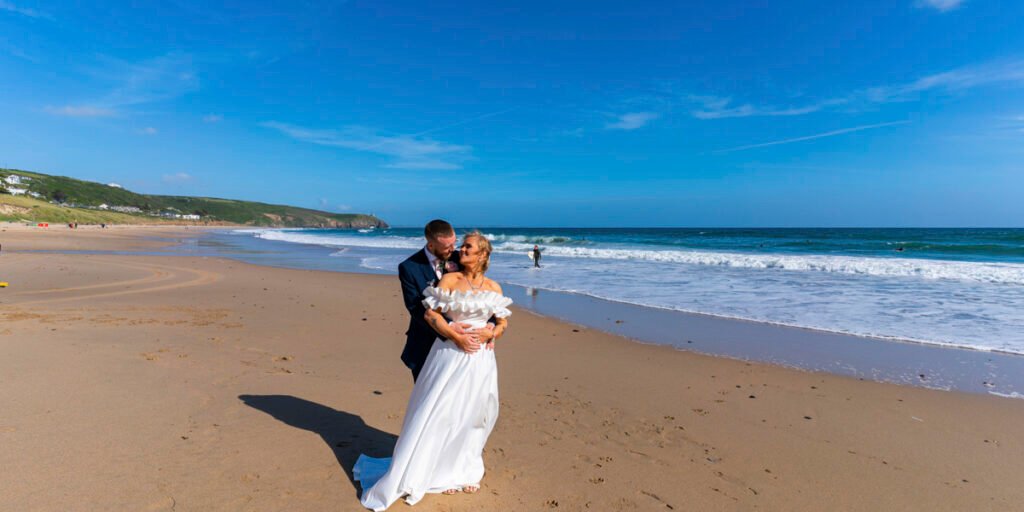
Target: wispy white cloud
1015,123
812,137
149,130
575,133
16,51
1007,72
213,118
24,11
406,151
956,80
80,111
177,178
158,79
714,107
325,204
632,120
941,5
135,83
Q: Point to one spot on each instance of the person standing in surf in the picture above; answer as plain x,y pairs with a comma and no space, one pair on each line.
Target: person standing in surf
536,256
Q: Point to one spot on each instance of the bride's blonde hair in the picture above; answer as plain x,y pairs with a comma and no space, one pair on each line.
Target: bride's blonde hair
484,245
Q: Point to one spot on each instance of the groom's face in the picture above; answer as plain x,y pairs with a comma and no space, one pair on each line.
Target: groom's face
442,246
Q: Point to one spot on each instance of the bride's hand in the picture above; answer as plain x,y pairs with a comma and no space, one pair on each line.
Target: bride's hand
468,343
484,334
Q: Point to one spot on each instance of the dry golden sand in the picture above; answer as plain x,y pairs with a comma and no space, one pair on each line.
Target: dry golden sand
168,383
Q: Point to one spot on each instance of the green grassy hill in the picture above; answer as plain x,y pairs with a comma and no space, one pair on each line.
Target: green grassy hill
27,209
81,201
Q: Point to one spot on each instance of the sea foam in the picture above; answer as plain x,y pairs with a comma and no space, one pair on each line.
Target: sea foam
970,304
982,272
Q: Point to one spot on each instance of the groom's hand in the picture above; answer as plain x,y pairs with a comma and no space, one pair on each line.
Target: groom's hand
459,328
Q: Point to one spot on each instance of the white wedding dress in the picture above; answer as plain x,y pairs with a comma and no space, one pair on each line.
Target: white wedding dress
452,410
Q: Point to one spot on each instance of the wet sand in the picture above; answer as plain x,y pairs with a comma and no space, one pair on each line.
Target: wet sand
179,383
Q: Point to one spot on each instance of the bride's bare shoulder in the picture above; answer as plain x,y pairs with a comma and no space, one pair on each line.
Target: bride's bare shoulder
492,285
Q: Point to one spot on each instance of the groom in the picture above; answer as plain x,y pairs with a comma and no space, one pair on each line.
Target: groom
425,268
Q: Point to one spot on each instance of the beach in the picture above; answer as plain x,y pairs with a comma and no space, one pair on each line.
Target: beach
156,382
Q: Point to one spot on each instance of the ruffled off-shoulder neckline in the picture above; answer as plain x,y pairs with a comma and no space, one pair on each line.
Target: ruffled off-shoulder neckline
467,301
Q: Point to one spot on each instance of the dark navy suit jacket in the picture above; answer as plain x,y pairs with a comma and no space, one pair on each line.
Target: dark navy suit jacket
416,274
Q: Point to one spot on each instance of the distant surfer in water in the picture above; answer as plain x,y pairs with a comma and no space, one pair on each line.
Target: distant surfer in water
536,256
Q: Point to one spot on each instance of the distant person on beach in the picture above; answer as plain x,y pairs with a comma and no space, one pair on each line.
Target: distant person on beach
536,256
454,402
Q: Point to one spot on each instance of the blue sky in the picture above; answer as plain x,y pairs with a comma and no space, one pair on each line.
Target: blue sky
875,113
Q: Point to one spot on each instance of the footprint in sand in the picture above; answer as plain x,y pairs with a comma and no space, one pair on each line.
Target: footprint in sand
165,503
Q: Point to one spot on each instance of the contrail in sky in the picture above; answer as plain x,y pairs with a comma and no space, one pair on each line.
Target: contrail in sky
460,123
811,137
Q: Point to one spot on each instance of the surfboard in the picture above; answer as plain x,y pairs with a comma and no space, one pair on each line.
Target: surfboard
530,254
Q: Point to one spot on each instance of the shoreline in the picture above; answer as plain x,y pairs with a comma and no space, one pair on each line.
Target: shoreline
926,365
905,362
892,360
818,330
198,383
950,338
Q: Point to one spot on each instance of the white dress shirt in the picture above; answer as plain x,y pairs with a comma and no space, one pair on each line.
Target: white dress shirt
434,262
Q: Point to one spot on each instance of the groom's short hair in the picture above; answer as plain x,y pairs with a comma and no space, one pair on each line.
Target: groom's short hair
438,228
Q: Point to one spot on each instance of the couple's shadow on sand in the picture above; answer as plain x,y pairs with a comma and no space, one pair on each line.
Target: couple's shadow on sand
346,434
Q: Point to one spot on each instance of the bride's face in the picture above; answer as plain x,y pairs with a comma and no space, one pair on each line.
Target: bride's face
469,253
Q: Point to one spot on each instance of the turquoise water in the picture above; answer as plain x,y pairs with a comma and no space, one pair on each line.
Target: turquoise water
958,287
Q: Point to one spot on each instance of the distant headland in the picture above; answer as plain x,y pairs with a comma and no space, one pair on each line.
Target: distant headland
34,197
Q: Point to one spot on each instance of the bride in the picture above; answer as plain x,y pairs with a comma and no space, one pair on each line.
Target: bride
454,403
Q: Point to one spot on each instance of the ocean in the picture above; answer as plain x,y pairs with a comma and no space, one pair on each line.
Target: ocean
950,287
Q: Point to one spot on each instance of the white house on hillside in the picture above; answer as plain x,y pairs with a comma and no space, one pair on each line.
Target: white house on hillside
115,185
14,179
104,206
16,191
